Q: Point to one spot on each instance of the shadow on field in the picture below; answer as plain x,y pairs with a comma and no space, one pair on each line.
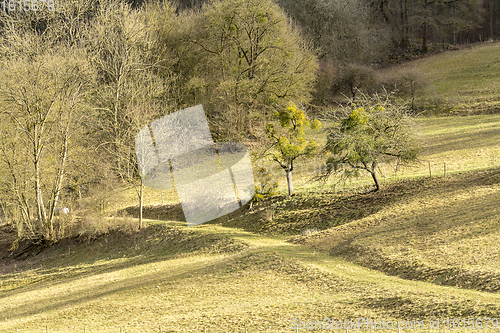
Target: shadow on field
80,257
477,140
310,212
159,281
167,212
424,244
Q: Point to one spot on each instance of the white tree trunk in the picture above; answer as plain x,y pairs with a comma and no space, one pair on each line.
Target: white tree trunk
289,181
141,199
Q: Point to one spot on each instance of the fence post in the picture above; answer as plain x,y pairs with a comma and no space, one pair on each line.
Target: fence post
430,172
445,169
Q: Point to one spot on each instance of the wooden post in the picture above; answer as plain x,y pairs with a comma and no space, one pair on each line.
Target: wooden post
445,169
430,172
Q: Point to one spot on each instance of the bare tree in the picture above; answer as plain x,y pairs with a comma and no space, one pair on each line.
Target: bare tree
239,59
128,93
40,98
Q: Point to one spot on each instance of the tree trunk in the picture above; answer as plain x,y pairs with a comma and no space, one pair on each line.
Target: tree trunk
424,29
42,215
402,17
3,217
60,177
141,197
492,19
424,37
289,181
373,172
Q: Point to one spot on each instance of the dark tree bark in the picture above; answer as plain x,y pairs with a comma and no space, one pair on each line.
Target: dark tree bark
424,28
375,180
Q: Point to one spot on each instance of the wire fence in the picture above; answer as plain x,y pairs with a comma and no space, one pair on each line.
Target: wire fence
389,172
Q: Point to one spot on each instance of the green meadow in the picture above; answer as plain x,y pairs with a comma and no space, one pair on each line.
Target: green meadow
423,248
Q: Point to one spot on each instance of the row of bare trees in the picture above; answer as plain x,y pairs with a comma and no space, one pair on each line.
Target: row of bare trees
80,82
438,21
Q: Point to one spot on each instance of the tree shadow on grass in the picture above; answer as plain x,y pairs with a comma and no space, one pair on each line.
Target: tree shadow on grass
76,258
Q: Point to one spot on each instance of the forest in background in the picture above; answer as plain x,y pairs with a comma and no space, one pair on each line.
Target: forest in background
80,81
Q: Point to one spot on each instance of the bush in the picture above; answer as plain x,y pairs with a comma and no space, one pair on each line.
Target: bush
325,81
267,187
408,84
309,231
353,78
92,226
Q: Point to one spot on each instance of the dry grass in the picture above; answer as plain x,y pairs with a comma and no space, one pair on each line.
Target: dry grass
419,249
261,286
461,82
444,232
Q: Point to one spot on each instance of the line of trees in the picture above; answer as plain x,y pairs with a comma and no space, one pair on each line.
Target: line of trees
78,83
374,31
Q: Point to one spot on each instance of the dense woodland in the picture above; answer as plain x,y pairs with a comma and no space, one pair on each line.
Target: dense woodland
80,81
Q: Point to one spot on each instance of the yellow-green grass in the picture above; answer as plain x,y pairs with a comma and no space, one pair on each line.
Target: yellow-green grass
223,279
261,286
444,231
464,81
462,143
436,238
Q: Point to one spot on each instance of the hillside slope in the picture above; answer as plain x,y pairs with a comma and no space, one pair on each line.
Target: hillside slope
423,248
215,279
461,82
445,231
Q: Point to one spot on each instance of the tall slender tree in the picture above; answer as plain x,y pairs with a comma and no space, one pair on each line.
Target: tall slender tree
41,100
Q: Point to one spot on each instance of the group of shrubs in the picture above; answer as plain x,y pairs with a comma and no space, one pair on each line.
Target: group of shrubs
337,82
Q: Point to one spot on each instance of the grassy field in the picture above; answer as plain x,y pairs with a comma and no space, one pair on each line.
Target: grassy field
214,278
421,249
460,82
462,143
